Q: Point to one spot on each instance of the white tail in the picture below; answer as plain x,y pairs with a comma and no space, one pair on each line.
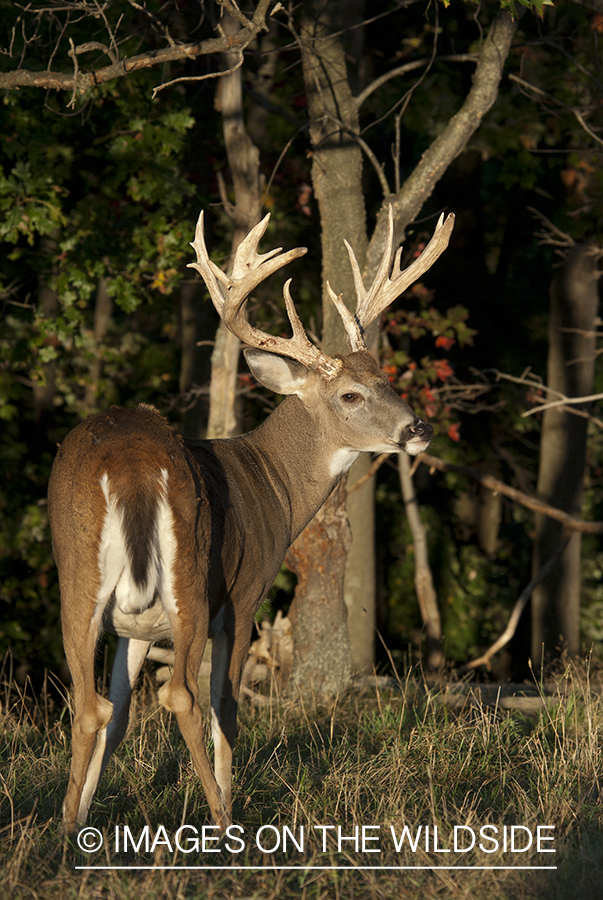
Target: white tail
157,537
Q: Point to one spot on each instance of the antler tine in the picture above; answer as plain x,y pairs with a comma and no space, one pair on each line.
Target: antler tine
385,289
297,347
249,269
366,300
353,329
434,249
354,324
208,270
246,256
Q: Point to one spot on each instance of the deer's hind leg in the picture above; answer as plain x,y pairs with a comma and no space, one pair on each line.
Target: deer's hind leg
92,712
129,657
180,695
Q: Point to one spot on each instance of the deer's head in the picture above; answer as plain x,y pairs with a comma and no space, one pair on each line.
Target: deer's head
350,397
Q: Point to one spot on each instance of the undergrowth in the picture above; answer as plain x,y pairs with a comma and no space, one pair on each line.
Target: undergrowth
319,787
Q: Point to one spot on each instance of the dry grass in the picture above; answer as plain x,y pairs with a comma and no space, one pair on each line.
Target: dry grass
376,758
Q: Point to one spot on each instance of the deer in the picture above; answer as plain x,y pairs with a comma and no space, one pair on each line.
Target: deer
158,537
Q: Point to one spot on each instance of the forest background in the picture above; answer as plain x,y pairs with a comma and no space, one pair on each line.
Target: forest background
100,187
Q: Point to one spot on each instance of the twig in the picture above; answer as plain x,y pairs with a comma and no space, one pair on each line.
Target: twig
563,401
534,381
188,78
277,164
79,81
409,67
563,239
73,54
404,100
155,19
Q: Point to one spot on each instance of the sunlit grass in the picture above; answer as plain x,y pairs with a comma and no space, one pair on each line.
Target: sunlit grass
384,760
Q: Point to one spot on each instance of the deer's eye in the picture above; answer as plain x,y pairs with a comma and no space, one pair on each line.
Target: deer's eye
350,398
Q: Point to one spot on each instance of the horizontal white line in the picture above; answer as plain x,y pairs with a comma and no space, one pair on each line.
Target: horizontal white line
315,868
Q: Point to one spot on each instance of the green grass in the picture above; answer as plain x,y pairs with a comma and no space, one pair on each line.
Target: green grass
375,758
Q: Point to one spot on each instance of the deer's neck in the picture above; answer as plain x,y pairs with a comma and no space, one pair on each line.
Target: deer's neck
299,460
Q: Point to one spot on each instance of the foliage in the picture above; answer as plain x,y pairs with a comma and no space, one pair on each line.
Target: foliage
108,195
83,202
420,379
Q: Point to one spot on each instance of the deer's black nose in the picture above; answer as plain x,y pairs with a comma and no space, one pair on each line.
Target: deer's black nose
421,429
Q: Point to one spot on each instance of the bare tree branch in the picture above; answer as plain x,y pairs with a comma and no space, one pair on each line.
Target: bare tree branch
560,399
220,74
373,468
79,82
551,235
563,401
410,67
426,594
448,145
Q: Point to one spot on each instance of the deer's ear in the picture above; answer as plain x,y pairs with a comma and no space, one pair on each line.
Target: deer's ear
277,373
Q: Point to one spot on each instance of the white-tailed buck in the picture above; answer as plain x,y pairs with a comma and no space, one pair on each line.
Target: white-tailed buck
160,538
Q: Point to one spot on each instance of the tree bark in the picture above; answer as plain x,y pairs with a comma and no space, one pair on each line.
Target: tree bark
321,645
570,523
195,320
244,164
574,302
360,583
337,183
336,161
79,81
336,177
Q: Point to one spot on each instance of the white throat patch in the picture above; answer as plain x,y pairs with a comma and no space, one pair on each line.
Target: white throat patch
341,461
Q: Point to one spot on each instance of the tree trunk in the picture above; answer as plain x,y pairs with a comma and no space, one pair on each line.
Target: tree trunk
426,595
336,178
337,183
574,300
321,644
194,367
336,163
244,164
359,588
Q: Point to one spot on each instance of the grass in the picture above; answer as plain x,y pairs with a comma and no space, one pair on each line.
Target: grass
389,758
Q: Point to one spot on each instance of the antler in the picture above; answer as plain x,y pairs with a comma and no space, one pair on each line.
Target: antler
385,289
230,293
249,269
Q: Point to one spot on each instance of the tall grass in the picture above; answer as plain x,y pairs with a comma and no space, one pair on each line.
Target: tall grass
391,758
